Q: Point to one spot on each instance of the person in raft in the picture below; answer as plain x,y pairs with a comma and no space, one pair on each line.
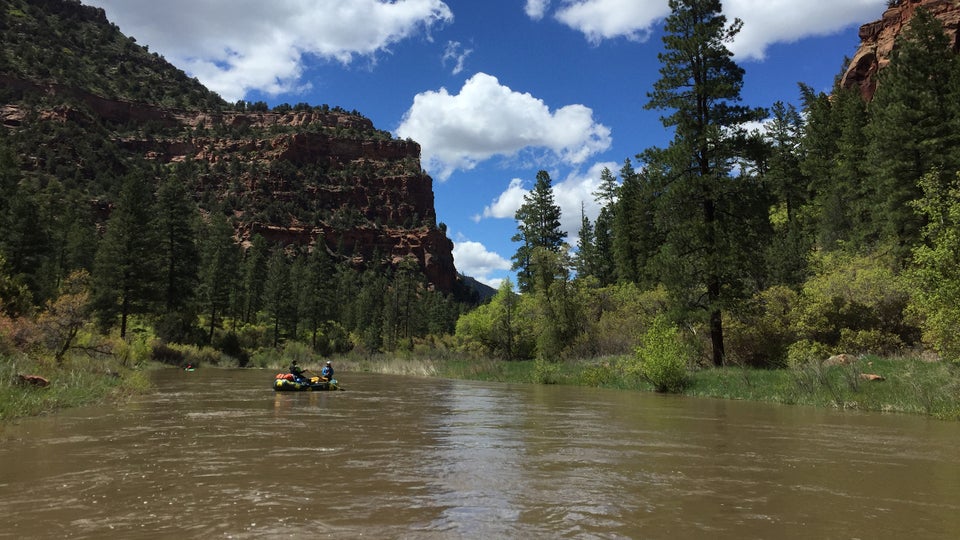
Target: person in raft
296,371
327,371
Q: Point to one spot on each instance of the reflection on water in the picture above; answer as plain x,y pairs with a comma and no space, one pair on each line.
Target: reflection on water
219,454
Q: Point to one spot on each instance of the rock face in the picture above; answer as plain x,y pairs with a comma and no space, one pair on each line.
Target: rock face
877,39
82,105
320,178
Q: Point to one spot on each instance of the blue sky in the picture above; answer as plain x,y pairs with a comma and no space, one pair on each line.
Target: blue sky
493,90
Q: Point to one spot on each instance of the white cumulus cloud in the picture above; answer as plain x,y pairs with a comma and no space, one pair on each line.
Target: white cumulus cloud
487,119
765,21
474,260
535,9
572,194
786,21
606,19
234,46
575,190
507,203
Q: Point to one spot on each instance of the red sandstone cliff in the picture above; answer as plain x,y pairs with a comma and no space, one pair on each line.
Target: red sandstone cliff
877,40
341,184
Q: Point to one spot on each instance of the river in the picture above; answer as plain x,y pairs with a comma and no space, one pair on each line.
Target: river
218,454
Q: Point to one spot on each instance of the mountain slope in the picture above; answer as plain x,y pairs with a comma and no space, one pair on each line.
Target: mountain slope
82,106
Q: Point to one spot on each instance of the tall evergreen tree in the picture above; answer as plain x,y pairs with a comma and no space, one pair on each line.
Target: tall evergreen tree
911,131
300,285
178,228
368,306
26,243
402,303
700,83
606,195
586,259
254,275
277,293
126,277
321,290
220,259
833,158
538,226
635,238
792,241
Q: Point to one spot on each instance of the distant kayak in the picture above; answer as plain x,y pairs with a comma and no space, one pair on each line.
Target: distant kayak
286,382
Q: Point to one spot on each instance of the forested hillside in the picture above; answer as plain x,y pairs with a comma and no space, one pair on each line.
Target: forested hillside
129,184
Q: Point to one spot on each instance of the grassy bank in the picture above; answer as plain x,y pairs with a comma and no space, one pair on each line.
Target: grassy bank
78,381
907,386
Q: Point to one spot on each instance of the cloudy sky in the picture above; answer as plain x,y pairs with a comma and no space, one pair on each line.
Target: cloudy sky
493,90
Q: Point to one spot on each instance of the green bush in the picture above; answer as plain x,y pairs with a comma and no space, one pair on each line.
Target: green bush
545,372
598,375
229,344
805,352
167,354
760,334
662,357
934,277
856,293
871,341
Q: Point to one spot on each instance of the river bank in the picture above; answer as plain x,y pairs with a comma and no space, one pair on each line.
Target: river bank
900,385
75,383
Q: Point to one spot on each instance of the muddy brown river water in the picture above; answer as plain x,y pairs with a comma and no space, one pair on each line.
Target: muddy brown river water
219,454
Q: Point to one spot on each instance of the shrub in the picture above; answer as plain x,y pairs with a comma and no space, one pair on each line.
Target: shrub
805,352
760,335
545,372
852,292
229,345
662,357
872,341
624,312
202,356
934,276
166,354
598,375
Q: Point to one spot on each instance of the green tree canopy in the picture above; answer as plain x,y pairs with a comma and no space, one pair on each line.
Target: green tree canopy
699,203
538,226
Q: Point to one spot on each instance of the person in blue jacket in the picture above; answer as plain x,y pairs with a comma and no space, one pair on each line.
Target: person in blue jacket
327,371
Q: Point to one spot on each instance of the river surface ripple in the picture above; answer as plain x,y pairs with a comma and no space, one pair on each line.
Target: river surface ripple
218,454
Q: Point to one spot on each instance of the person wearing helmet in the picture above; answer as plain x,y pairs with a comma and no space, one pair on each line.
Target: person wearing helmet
327,371
296,371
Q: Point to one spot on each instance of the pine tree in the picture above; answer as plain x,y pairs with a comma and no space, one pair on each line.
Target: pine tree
586,260
635,238
833,158
606,195
911,133
700,83
126,276
538,226
219,265
178,228
320,293
254,274
792,241
277,294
